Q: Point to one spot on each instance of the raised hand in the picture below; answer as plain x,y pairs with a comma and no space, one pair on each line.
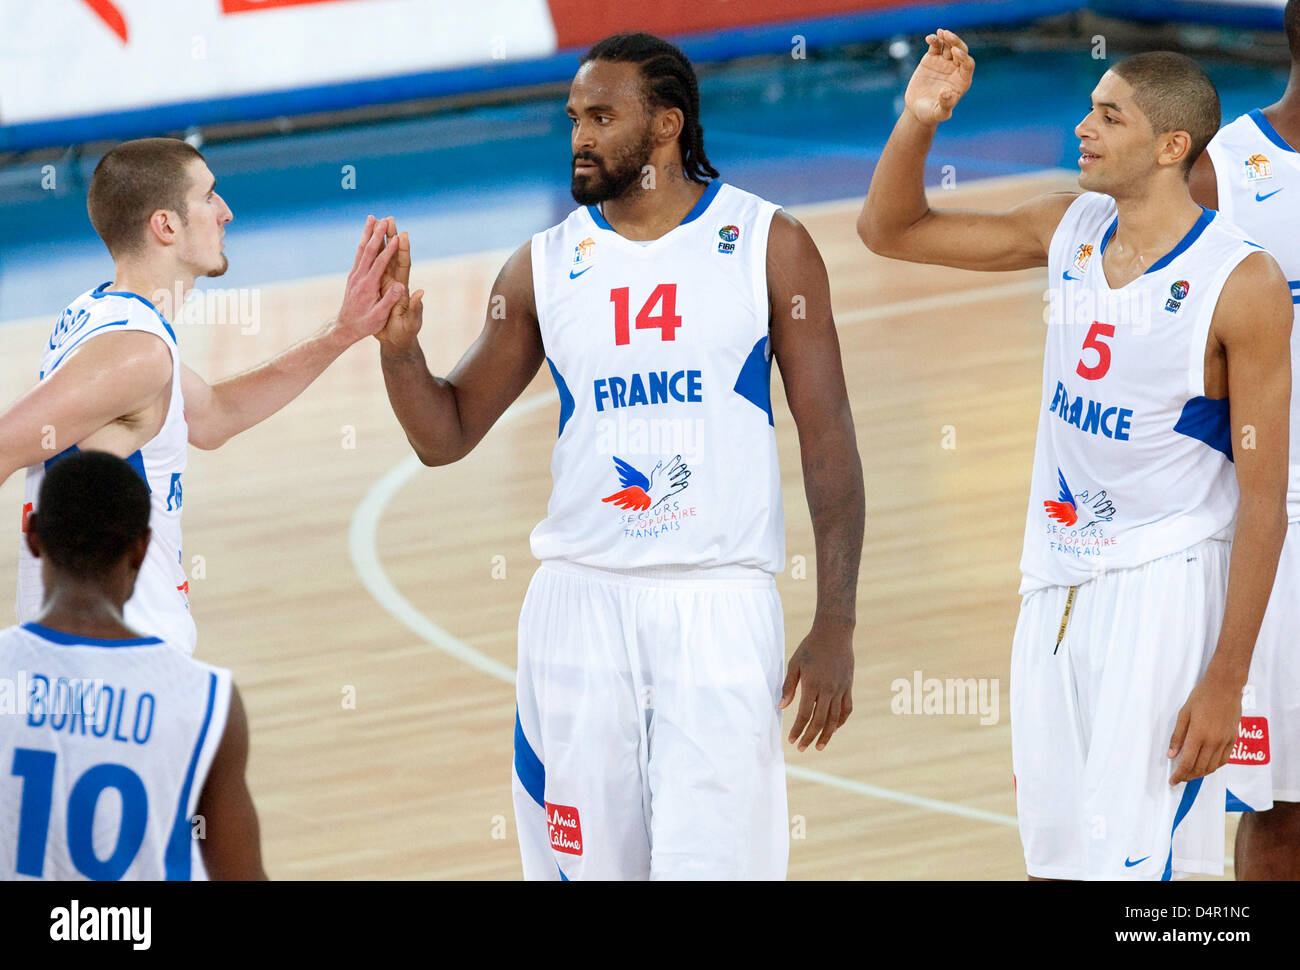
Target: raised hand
941,78
368,297
406,316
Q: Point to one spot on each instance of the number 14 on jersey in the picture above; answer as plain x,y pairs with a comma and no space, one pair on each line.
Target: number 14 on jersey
666,321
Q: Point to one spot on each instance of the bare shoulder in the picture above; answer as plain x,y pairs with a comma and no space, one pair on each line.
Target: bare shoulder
791,252
1203,183
142,356
515,283
788,235
1043,213
1255,302
233,749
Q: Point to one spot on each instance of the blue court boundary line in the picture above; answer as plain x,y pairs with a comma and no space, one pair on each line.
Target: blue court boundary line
703,47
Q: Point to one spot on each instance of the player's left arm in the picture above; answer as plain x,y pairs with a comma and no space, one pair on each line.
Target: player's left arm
217,412
1252,323
807,350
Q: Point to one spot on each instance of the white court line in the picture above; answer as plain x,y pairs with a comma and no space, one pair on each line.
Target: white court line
364,552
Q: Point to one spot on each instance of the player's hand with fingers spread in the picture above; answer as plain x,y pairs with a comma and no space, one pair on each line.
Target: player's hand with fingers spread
822,667
1206,729
941,78
406,316
367,300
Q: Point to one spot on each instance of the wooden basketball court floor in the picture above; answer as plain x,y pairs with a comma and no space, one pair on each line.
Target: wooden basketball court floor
368,605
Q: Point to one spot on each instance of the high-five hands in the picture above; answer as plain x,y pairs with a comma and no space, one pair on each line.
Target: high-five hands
369,295
407,314
941,78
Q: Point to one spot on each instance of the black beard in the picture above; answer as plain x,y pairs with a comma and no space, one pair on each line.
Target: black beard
611,183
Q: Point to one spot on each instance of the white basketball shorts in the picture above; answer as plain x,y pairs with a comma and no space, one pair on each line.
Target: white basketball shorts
1091,720
1265,765
647,737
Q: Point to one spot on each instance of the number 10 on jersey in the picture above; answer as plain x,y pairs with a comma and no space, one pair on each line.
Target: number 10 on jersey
666,321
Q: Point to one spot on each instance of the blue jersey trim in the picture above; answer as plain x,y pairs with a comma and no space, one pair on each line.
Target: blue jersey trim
135,460
51,462
1105,238
697,210
598,217
710,192
178,856
1194,233
76,640
1234,804
528,766
754,383
566,396
1269,132
1208,420
1184,806
100,291
80,340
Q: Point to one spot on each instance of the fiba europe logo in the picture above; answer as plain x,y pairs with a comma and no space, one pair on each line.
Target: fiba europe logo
728,235
1177,292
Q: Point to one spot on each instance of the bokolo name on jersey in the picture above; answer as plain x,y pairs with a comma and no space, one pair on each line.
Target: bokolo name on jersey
90,708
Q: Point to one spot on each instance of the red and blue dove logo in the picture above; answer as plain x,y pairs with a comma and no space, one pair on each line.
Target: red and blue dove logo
1064,510
641,492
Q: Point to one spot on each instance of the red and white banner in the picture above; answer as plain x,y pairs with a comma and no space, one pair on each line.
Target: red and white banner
70,58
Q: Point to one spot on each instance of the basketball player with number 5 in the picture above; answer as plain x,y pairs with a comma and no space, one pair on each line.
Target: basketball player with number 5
651,640
1163,425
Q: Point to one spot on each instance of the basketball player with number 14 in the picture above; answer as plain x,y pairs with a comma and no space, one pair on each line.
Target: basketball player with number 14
647,738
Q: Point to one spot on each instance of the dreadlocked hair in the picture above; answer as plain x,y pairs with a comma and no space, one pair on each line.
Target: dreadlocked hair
668,82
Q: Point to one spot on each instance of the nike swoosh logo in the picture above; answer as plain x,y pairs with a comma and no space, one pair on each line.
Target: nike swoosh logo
1066,275
1261,198
574,276
1130,865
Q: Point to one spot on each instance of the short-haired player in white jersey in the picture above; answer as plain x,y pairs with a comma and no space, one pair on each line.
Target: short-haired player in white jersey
1251,173
1163,425
651,640
111,376
123,758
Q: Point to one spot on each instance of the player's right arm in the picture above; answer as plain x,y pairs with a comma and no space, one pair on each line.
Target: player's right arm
445,417
112,379
897,221
231,844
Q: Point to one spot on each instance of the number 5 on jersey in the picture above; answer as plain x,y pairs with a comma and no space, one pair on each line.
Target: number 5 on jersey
666,321
1093,342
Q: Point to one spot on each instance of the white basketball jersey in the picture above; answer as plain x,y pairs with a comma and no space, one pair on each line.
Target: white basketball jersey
1259,190
160,605
666,454
1132,461
105,746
